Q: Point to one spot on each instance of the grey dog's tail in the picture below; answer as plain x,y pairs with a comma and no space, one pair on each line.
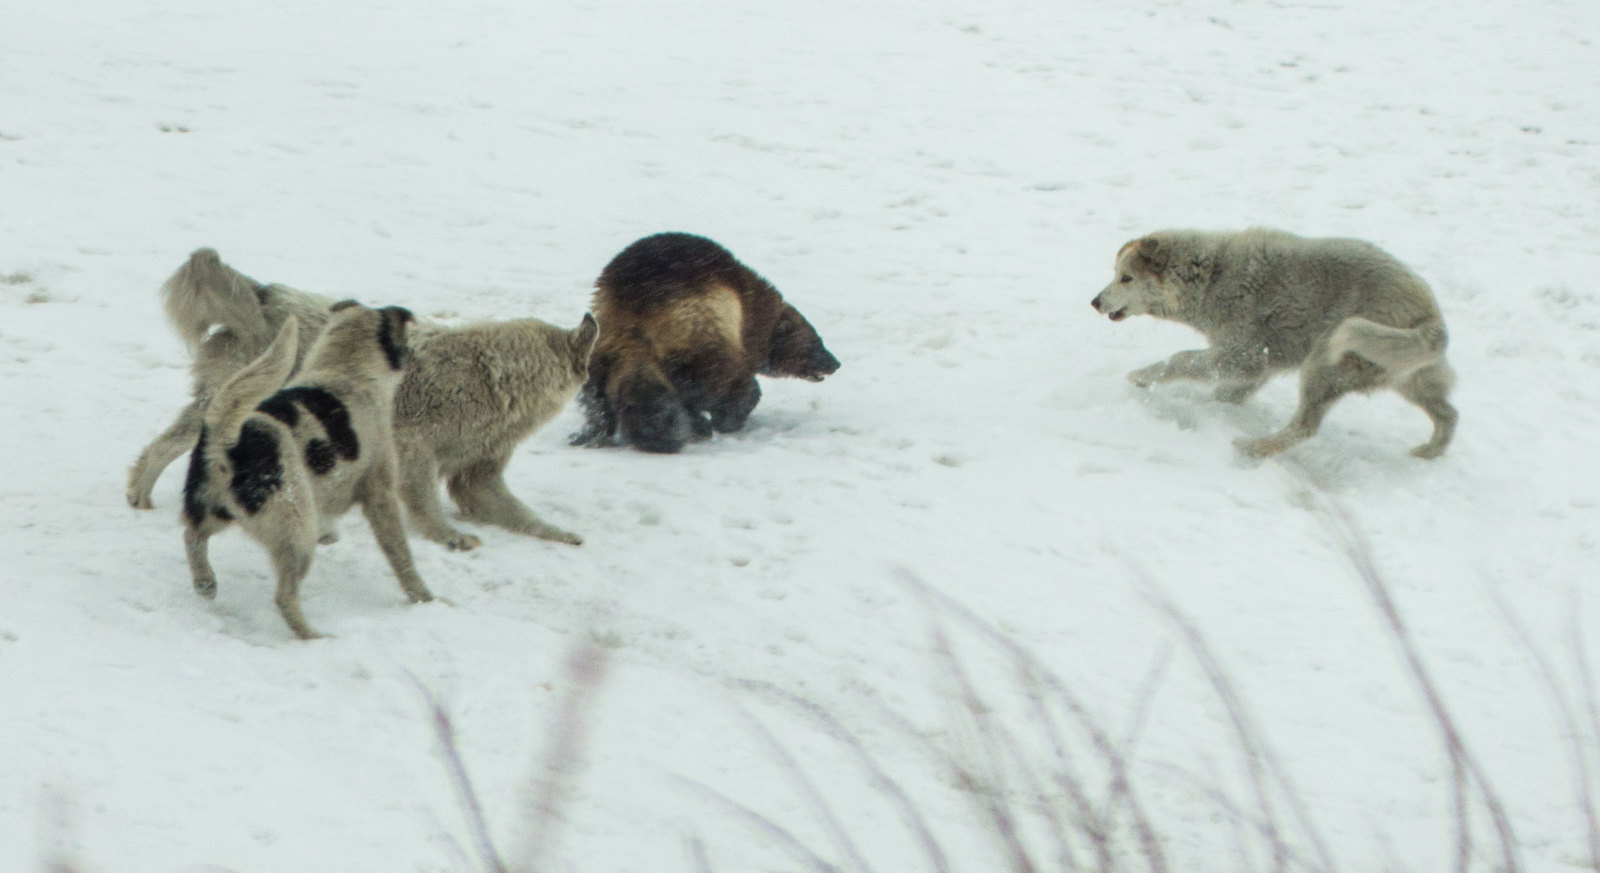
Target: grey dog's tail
205,293
1399,350
244,391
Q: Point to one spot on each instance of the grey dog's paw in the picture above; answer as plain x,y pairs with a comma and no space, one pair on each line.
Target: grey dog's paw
1234,392
1259,449
463,543
1144,377
560,536
1427,451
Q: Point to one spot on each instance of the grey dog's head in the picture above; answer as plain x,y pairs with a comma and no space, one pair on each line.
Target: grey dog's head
1137,287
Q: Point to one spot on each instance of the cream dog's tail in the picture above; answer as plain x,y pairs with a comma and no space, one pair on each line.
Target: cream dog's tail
205,293
1399,350
244,391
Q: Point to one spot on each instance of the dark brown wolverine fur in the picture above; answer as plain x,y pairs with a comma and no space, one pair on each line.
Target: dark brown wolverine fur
684,330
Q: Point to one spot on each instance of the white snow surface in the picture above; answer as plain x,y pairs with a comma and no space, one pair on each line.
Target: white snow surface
940,187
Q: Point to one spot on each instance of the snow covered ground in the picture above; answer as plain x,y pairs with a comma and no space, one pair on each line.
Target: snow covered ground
940,188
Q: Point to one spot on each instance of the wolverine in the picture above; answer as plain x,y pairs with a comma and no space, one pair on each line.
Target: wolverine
685,328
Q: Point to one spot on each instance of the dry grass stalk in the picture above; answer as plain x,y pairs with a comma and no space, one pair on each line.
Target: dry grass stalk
1465,768
585,671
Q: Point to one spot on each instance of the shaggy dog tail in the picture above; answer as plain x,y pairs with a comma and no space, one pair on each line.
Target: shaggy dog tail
205,293
1401,351
244,391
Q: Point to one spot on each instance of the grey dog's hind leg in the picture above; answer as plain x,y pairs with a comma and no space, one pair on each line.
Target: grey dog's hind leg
419,488
163,450
480,490
1321,385
1429,388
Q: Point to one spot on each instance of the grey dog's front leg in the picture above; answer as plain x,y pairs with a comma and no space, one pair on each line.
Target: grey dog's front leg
1192,364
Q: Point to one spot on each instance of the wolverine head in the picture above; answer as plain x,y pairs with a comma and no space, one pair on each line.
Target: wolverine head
1138,287
796,350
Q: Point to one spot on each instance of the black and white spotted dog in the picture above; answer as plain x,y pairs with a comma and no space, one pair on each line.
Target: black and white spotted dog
284,463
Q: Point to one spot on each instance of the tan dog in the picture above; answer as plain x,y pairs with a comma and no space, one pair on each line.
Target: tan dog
1347,314
469,397
283,464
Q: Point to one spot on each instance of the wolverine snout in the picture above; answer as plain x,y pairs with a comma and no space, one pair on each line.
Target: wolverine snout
823,364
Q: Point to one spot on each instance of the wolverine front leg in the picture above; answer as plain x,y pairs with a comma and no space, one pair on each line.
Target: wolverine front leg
1193,364
728,414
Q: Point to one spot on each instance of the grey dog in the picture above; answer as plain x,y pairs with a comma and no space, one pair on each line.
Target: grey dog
1347,314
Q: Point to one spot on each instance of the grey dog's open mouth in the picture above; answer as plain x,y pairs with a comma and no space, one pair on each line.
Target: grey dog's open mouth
1119,315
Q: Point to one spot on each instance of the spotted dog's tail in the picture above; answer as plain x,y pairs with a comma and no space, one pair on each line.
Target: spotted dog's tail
244,391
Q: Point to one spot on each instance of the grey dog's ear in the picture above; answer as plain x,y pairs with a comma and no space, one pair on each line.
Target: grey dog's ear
343,305
1152,254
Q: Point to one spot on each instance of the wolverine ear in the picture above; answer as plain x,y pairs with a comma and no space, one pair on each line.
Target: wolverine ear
401,314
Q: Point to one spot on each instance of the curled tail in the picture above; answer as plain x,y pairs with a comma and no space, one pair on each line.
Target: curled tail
1399,350
207,293
244,391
